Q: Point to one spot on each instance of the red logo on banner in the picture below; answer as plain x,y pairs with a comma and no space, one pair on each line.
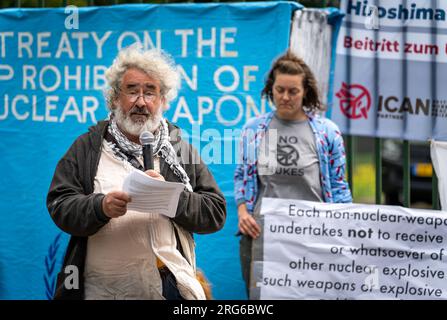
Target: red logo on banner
355,100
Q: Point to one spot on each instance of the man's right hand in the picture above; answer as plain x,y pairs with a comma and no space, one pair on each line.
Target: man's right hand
114,204
247,224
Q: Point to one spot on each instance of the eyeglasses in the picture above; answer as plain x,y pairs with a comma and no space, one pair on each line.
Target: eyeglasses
148,97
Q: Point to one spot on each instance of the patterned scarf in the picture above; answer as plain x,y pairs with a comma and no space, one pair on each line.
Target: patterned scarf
129,151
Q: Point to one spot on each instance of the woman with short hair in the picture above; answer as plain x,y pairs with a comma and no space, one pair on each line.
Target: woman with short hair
289,153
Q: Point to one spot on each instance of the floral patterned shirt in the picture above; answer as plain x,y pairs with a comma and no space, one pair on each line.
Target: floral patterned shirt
331,155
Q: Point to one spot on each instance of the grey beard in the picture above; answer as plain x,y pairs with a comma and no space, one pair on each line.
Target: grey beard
136,128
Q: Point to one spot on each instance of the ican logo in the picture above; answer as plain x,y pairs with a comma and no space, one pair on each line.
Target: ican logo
355,101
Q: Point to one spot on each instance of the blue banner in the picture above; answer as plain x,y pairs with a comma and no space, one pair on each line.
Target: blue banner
52,64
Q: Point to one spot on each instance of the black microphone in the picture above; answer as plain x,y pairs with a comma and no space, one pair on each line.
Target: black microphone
146,140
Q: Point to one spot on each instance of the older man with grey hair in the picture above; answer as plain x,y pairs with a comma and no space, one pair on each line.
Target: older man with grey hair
118,253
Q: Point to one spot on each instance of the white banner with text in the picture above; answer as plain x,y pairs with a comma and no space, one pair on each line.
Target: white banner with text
391,66
312,250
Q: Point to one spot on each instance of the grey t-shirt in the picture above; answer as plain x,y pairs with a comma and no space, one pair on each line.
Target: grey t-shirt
288,165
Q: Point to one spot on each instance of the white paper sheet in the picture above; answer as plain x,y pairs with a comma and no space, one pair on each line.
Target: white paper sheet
152,195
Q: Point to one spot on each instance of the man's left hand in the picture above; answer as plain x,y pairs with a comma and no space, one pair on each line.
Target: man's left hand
154,174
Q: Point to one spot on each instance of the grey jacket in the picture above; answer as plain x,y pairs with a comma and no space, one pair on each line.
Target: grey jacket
78,211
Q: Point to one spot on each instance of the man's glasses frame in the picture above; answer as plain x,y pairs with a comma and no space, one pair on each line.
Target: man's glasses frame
148,97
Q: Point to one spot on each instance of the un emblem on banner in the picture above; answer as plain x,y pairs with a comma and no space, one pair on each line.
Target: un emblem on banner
355,101
51,266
